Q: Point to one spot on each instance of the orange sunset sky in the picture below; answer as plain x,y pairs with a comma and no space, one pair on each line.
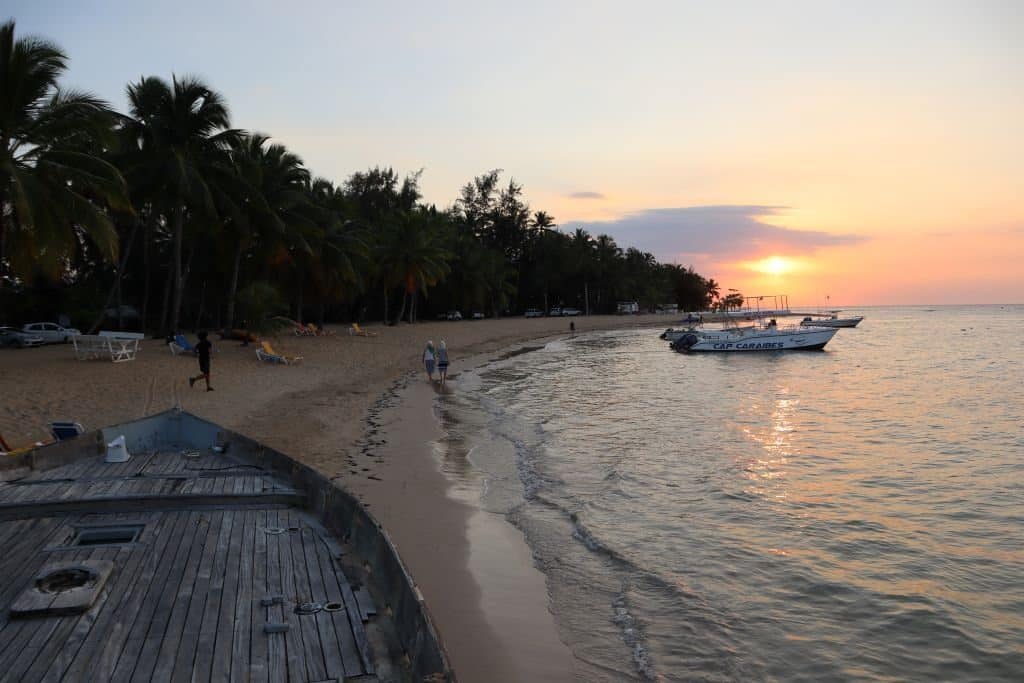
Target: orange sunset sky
874,150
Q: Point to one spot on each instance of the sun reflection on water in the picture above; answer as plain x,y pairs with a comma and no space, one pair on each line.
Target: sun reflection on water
767,475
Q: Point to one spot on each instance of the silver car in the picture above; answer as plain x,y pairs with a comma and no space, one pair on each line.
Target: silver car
15,338
52,333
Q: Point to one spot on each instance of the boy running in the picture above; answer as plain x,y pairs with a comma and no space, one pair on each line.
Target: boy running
203,351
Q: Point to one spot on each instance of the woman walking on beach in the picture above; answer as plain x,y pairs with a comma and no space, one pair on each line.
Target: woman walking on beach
442,361
428,360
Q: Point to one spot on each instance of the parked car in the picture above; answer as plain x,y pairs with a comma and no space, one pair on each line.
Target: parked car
570,311
476,315
15,338
453,315
555,312
52,333
534,313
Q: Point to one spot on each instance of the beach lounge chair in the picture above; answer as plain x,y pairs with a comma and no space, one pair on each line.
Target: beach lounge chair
66,430
180,345
266,352
360,332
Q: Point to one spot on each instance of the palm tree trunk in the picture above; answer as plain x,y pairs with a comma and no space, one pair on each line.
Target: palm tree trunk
179,227
115,289
233,289
165,306
202,302
401,312
145,269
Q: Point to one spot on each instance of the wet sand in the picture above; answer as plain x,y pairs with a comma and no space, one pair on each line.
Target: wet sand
359,410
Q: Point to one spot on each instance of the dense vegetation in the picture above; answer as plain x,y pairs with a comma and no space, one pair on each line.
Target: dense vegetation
166,217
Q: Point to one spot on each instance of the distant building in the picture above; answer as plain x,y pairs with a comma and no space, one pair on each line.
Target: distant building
626,307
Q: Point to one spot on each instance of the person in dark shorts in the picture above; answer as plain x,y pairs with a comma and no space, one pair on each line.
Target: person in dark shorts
442,361
203,351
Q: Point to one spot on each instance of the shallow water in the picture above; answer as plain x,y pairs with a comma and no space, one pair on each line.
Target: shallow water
852,514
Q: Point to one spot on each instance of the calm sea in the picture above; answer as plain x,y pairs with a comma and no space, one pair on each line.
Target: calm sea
850,514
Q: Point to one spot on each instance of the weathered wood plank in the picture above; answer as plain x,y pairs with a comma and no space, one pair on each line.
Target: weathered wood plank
71,634
31,635
302,654
276,642
241,637
354,618
170,634
308,567
157,589
97,656
144,503
341,620
187,647
258,664
220,601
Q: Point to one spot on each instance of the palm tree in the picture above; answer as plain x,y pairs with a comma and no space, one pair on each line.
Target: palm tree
183,132
54,185
275,202
412,255
340,258
542,220
714,290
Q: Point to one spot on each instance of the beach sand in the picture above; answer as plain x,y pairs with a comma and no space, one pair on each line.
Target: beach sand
359,410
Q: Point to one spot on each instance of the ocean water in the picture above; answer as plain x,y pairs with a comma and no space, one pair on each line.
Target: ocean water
850,514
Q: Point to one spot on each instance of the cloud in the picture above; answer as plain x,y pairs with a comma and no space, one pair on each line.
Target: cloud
586,195
716,233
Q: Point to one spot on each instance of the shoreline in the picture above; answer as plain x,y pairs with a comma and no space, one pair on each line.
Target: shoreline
473,566
336,412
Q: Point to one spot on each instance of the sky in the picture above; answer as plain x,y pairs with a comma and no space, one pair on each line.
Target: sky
868,152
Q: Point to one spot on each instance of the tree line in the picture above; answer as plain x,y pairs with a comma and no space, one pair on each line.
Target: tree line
166,217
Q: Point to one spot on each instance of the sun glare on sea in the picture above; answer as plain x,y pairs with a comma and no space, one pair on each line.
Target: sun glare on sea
774,265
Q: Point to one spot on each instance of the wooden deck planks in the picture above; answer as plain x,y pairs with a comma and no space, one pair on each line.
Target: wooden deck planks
99,652
311,579
27,637
258,642
276,642
182,652
301,657
159,578
156,663
202,663
184,605
69,634
241,636
347,644
213,659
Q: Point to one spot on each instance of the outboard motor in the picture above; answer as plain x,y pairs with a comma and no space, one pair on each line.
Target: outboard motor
684,343
664,335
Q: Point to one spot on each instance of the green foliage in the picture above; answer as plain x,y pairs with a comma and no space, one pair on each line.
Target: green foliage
262,308
56,189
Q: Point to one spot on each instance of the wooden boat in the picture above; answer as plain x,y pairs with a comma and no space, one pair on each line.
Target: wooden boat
205,556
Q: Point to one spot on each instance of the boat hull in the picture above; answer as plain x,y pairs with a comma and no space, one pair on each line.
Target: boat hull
834,322
808,339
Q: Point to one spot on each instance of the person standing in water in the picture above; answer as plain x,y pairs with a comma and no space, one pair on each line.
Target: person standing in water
442,361
203,351
428,360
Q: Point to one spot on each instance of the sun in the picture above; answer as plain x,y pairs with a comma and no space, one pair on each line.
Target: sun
775,265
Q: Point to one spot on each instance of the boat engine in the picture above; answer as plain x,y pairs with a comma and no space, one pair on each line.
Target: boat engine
664,335
685,342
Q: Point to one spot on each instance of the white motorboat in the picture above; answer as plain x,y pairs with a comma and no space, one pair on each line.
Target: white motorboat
832,321
770,337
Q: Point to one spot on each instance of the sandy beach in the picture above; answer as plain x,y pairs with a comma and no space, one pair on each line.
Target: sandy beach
359,410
